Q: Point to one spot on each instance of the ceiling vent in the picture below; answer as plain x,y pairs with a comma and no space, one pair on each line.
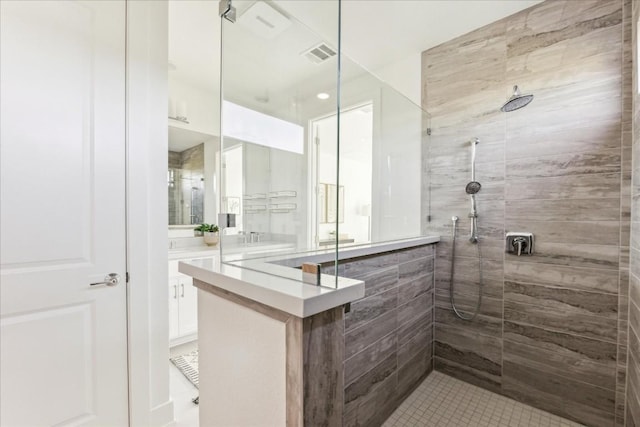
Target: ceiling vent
264,21
319,53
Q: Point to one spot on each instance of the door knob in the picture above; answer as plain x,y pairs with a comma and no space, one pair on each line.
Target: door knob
111,279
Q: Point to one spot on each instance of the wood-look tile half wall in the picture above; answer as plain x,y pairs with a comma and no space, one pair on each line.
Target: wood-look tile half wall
552,331
388,334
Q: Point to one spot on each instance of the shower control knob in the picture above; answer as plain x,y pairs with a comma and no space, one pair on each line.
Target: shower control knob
520,243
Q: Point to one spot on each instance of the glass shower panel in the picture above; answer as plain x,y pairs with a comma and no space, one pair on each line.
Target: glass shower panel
277,77
383,171
312,163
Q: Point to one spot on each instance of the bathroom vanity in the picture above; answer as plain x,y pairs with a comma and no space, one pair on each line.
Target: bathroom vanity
183,301
275,350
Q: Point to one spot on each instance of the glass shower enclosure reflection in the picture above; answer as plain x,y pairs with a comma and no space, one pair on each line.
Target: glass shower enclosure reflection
317,153
185,182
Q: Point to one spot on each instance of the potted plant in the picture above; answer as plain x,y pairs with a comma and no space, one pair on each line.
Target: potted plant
198,231
209,233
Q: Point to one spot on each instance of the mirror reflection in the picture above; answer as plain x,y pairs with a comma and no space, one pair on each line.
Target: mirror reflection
190,177
186,186
193,115
293,170
301,164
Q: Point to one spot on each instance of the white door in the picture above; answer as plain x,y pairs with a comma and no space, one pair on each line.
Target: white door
63,348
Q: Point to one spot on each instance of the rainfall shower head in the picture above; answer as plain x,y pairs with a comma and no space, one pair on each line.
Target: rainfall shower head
473,187
516,101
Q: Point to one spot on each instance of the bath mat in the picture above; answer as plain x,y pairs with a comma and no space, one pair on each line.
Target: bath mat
188,365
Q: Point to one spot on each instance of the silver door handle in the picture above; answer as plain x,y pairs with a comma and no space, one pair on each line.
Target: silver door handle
182,286
111,279
175,291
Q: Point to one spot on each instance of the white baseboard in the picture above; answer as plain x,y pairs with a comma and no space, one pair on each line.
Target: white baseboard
183,340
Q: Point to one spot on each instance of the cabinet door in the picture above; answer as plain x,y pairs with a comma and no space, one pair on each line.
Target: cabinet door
188,306
174,298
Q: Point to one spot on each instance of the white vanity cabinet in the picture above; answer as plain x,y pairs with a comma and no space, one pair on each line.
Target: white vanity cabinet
183,307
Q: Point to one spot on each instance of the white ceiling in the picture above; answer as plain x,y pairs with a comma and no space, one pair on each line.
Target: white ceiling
375,33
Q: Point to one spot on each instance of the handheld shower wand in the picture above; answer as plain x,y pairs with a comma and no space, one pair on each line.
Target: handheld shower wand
472,188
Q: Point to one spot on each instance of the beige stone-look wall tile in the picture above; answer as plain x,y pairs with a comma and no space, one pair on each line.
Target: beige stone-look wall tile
631,234
552,331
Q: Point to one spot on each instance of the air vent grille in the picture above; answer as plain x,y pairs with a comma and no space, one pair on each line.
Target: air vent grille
319,53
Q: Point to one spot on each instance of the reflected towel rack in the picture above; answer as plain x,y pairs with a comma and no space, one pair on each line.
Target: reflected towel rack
282,194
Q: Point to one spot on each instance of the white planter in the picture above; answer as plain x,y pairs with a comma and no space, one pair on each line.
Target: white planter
211,238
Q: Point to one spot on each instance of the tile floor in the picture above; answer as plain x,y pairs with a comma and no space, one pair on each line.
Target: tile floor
440,401
445,401
182,391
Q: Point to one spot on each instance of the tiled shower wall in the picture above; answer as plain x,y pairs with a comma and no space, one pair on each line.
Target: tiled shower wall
552,329
633,378
388,334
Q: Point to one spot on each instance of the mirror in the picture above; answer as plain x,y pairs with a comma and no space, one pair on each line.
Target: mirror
263,186
193,114
191,177
352,178
185,179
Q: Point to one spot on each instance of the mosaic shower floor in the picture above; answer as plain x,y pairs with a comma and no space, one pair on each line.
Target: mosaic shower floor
445,401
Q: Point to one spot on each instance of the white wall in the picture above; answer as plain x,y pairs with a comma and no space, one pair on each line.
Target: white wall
203,105
289,173
404,76
147,213
256,159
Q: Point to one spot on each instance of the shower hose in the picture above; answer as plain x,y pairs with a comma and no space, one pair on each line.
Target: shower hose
453,263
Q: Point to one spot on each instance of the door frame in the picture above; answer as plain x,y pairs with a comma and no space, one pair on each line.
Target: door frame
147,216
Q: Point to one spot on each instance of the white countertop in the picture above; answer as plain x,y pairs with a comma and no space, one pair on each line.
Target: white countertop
281,287
193,252
289,295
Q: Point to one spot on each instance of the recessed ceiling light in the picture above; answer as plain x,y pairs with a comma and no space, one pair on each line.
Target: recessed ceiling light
323,95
